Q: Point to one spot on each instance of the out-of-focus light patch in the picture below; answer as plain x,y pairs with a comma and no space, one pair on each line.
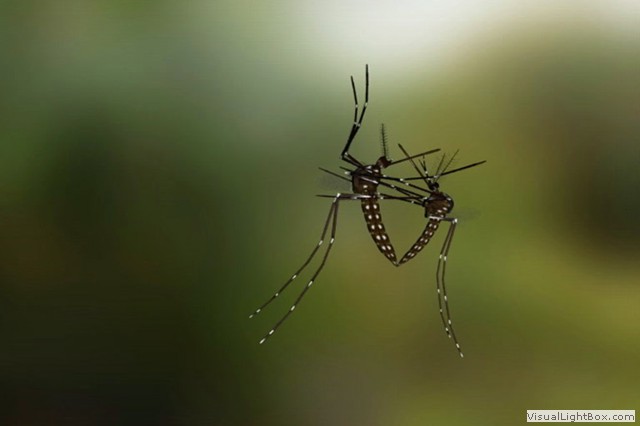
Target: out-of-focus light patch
404,33
390,31
622,15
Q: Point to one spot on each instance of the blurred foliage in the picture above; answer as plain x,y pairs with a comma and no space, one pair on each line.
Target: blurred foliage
158,163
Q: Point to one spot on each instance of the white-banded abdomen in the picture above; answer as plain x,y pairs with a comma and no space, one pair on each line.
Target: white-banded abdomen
373,219
424,239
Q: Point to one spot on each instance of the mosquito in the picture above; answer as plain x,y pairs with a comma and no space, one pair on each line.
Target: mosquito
438,206
365,180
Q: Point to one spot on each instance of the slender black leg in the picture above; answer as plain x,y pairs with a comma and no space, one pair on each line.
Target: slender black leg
448,172
431,151
373,180
441,287
417,197
380,196
334,212
413,163
357,122
409,199
412,195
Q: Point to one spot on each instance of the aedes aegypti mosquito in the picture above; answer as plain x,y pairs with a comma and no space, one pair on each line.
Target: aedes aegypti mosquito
437,208
365,180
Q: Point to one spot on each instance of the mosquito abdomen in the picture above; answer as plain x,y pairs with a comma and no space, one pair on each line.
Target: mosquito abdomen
421,242
373,219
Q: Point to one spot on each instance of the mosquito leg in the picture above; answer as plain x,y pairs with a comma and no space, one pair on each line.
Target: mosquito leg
406,192
335,174
431,151
413,163
404,181
441,305
354,129
392,186
334,209
332,212
448,172
357,122
410,198
349,172
441,287
378,195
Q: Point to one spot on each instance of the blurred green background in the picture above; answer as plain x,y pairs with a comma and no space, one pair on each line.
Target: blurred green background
158,166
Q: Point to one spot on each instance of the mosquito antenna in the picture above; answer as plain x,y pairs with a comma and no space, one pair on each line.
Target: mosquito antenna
423,164
383,134
440,164
448,163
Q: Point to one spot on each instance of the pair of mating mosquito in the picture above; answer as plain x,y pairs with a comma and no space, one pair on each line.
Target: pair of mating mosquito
366,179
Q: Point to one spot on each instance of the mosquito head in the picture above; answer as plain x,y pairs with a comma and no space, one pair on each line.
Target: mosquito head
432,183
383,162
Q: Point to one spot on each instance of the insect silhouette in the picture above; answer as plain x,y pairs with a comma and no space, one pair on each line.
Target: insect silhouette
365,181
437,209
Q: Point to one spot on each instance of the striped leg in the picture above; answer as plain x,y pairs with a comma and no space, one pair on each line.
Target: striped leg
332,214
373,220
441,287
357,122
332,211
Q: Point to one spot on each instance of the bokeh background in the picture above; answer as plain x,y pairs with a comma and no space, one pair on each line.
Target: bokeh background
158,166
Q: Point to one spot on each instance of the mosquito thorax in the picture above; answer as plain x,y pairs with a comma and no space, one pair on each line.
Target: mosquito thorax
365,179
